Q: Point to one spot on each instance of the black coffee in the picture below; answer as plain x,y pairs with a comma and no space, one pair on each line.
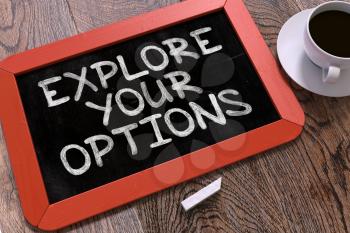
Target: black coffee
331,32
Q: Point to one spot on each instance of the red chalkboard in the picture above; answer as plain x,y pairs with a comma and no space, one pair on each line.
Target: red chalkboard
137,106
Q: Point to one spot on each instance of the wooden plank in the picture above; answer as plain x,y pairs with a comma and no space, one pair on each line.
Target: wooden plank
124,219
90,14
29,24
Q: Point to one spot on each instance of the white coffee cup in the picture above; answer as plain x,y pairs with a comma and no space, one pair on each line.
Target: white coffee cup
331,65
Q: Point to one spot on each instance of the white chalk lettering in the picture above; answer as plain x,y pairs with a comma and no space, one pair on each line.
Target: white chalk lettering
179,133
99,153
82,82
165,95
82,169
160,140
49,94
247,108
104,77
126,130
202,43
142,92
181,86
136,111
159,67
106,109
126,73
200,112
179,52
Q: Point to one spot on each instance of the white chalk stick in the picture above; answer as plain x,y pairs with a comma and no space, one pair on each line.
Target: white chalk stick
201,195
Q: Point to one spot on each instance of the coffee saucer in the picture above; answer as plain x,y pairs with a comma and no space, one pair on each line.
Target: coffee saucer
290,50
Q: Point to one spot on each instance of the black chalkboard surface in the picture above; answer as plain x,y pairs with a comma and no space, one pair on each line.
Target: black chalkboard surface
222,80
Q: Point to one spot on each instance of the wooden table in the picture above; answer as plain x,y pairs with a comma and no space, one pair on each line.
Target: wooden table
299,187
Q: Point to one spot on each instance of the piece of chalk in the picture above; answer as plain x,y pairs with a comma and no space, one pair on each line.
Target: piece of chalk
201,195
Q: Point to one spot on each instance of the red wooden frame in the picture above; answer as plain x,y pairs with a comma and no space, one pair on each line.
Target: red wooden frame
23,159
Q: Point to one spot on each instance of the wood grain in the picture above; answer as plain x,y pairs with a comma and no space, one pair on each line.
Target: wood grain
28,24
299,187
90,14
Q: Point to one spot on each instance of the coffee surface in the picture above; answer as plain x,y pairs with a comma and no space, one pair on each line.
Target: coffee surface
330,31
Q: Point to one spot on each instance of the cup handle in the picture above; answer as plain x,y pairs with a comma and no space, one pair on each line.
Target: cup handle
331,74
